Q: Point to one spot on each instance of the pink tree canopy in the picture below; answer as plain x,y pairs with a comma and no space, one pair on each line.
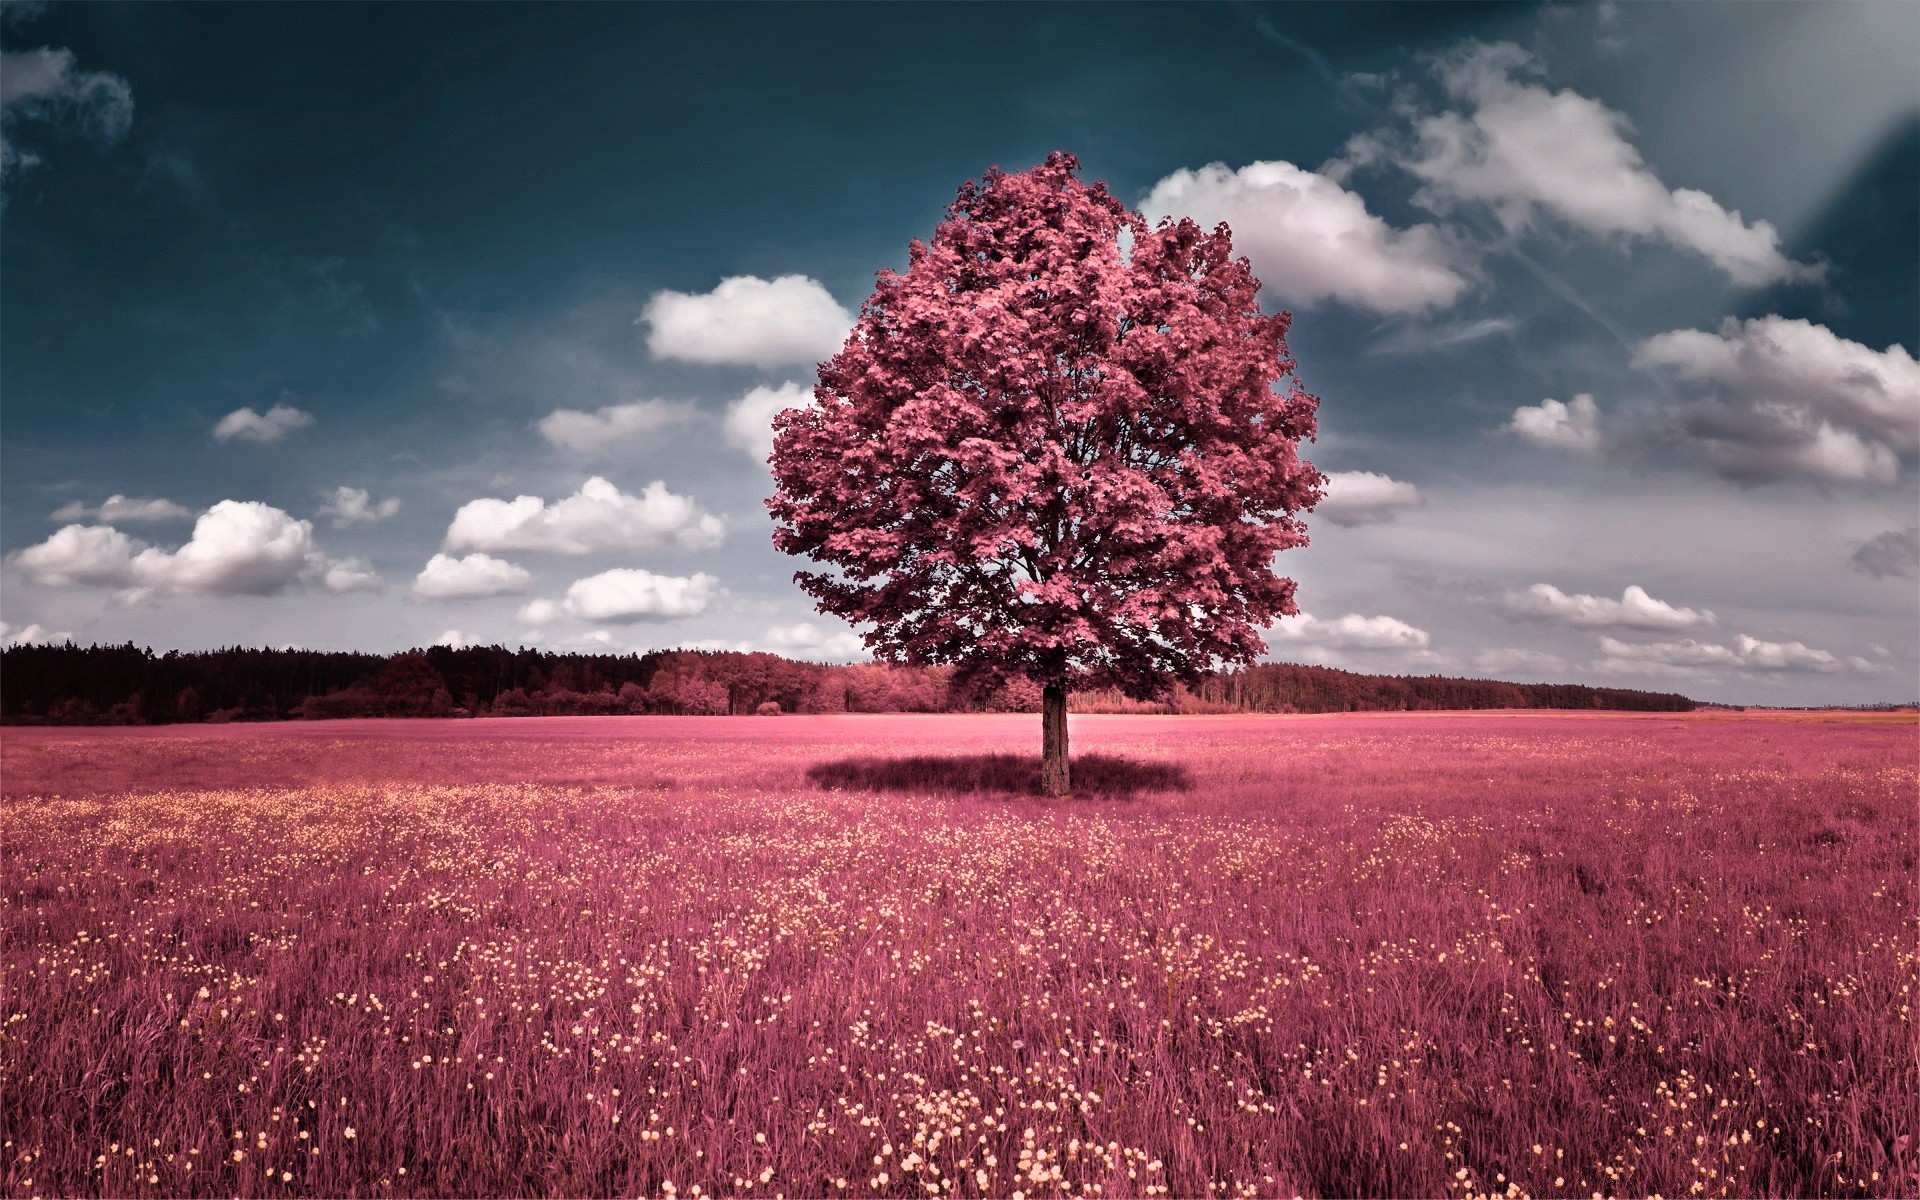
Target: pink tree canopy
1063,444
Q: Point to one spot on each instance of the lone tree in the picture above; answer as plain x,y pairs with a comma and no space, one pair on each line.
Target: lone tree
1058,446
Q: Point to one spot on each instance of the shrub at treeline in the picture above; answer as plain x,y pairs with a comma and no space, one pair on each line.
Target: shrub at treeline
132,685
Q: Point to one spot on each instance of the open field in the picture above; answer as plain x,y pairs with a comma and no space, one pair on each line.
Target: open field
1349,955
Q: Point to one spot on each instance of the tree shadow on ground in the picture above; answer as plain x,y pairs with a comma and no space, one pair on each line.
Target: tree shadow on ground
1093,775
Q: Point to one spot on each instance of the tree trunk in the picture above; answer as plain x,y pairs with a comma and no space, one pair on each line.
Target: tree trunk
1054,777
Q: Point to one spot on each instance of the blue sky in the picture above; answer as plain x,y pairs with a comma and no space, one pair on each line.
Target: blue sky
372,326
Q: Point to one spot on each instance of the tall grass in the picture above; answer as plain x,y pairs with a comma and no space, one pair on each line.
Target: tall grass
1368,955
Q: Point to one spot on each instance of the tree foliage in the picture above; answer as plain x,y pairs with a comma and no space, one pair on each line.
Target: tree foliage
1062,445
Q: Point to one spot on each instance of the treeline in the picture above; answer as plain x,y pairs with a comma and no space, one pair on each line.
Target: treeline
131,685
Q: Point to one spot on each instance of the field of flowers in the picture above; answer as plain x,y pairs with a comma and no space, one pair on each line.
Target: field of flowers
1405,955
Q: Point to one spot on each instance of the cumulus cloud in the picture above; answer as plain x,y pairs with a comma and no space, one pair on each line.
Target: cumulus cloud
1893,553
1662,658
349,575
238,547
1352,632
31,635
1525,151
1775,398
749,420
270,426
353,506
1690,657
748,321
1762,400
612,427
45,87
1783,656
628,594
79,555
1635,609
1765,445
598,517
806,640
1311,240
1573,426
123,508
1366,498
469,578
538,612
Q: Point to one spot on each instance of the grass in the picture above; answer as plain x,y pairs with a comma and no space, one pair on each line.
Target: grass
1354,955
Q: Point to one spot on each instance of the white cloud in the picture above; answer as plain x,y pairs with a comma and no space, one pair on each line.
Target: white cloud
1667,653
455,638
123,508
1622,656
31,635
628,594
1353,632
1524,150
238,547
598,517
806,640
1762,445
1776,398
1573,426
1893,553
1366,498
469,578
1310,239
349,575
1784,656
538,612
250,426
43,86
83,555
749,421
748,321
1635,609
353,506
611,427
1690,657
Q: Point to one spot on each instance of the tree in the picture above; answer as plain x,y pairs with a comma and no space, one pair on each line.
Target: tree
1057,446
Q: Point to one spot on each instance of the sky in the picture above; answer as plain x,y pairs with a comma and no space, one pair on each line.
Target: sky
376,326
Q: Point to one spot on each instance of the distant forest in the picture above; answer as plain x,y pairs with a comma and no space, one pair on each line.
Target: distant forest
130,685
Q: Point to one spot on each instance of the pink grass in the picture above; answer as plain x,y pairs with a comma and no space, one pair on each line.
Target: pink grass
1348,955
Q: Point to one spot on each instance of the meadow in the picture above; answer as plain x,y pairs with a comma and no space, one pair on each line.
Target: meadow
1375,954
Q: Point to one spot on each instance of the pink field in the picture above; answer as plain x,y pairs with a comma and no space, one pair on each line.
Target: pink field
1390,955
